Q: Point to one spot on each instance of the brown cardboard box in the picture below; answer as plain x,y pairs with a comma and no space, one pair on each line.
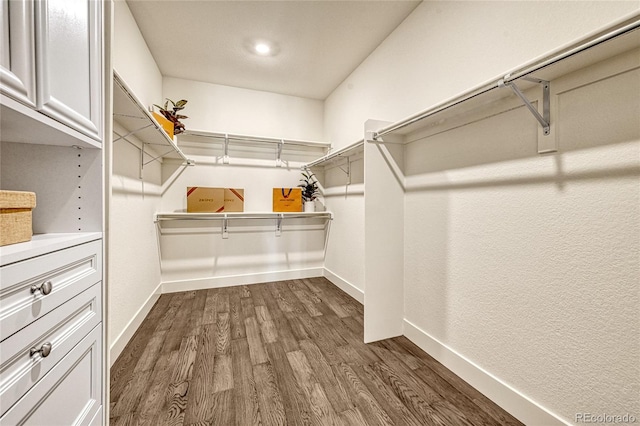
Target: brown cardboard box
16,216
233,200
201,199
287,199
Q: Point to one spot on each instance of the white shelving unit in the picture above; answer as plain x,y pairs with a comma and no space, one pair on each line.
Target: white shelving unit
129,113
244,144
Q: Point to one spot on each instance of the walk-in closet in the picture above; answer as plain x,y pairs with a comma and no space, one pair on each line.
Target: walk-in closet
319,212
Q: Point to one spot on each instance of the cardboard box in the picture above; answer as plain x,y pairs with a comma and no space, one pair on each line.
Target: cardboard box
233,200
201,199
167,125
287,199
16,216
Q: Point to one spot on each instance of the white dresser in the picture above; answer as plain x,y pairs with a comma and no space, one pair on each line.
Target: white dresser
52,68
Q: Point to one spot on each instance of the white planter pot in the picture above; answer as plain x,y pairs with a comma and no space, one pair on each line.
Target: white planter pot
309,206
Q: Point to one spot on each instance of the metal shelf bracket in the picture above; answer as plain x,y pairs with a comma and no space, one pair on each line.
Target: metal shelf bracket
225,227
225,158
279,153
348,171
545,118
279,225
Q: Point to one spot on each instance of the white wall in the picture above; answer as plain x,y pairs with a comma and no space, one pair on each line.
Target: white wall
524,265
194,255
134,273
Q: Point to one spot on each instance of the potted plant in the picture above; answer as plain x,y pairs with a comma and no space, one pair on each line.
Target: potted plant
172,115
310,191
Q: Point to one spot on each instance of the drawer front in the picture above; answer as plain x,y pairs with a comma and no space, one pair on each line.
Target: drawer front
68,272
70,394
62,329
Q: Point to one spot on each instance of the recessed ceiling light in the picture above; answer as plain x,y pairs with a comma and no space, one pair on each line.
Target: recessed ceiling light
262,48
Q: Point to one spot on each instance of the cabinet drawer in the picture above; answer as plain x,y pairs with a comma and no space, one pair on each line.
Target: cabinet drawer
61,328
70,394
69,272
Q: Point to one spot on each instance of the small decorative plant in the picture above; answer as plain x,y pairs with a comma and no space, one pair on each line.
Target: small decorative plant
172,115
309,185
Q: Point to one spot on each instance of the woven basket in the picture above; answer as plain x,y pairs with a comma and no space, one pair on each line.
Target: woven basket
15,216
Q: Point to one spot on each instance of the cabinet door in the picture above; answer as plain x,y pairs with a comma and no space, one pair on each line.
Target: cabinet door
69,63
17,51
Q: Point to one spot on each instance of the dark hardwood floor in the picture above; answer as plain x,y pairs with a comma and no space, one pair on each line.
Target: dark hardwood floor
287,352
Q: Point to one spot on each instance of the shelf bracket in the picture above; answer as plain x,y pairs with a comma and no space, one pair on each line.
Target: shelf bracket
159,156
279,153
141,175
225,157
130,133
545,118
225,227
348,171
279,225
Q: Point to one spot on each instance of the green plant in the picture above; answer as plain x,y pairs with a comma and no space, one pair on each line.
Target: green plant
172,114
309,185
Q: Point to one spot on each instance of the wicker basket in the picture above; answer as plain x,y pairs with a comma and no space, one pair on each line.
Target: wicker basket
15,216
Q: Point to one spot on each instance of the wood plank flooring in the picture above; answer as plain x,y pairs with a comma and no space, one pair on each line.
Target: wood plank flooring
281,353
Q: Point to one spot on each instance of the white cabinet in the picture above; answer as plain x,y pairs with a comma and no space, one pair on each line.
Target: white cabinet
17,51
69,65
52,63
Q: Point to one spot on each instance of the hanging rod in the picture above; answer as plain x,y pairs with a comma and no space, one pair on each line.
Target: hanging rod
258,139
623,26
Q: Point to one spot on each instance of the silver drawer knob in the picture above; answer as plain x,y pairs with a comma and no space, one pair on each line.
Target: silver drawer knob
45,287
44,350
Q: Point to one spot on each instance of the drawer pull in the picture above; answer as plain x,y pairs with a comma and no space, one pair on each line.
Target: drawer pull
45,287
44,350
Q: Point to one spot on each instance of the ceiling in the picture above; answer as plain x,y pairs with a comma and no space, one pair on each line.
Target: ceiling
315,44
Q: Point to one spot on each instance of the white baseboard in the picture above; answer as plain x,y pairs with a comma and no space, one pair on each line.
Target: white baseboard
234,280
514,402
120,342
344,285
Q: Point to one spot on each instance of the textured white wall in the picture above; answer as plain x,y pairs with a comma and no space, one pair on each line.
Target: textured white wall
227,109
526,265
134,273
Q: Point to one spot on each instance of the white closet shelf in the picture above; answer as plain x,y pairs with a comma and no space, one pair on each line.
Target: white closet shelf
210,140
44,243
226,217
129,112
594,48
336,156
241,215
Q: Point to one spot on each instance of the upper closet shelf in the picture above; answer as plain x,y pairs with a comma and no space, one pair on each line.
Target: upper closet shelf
246,143
129,112
335,156
619,38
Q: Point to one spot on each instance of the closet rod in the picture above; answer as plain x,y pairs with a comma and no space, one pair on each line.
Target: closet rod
624,26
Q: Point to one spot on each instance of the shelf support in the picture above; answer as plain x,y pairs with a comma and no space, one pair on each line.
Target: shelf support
225,227
543,119
130,133
348,171
279,154
279,225
225,157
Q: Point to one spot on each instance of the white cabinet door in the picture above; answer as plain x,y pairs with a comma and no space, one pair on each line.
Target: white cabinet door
69,63
17,51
